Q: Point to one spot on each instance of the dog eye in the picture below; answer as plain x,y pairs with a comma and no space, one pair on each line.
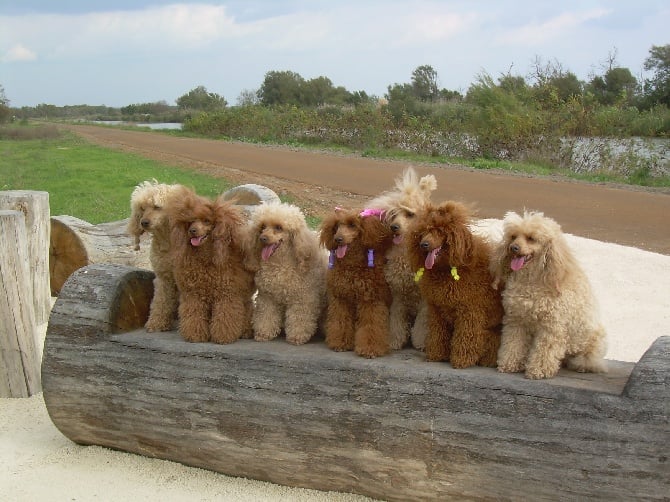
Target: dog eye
530,238
157,207
409,214
513,236
207,222
278,228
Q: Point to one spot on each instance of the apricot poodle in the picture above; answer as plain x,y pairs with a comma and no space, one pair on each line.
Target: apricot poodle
550,311
408,312
452,269
357,314
290,273
215,287
148,213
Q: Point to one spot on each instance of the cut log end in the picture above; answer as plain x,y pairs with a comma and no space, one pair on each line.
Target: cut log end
67,253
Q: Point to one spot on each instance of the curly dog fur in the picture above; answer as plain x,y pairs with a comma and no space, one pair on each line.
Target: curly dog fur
148,213
550,311
464,311
408,312
357,314
215,288
290,273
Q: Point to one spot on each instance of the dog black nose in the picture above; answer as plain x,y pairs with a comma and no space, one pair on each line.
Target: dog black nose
395,227
263,238
144,223
425,245
192,231
339,239
515,248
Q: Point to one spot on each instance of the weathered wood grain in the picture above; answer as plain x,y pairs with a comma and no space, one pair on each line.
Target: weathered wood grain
396,427
35,207
19,355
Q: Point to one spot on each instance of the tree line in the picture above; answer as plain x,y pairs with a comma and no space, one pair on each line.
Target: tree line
547,84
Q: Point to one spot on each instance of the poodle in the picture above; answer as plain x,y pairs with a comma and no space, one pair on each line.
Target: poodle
290,273
357,314
550,311
408,312
464,311
148,213
215,287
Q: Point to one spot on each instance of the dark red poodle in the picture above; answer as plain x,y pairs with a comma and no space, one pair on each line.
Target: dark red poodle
358,296
452,269
215,289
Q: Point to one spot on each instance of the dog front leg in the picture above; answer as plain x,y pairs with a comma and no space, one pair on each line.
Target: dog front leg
547,353
514,346
302,319
231,319
438,339
163,305
420,327
399,323
267,318
372,334
339,324
193,319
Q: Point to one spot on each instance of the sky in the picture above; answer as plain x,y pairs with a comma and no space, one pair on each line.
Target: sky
121,52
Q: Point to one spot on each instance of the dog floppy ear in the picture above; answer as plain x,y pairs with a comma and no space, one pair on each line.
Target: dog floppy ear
227,230
251,246
302,240
558,260
375,234
499,264
134,227
327,231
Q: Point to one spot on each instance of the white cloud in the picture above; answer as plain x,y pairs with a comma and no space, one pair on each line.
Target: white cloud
558,26
172,27
18,52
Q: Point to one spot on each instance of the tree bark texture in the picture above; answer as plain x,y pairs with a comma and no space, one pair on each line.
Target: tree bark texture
19,354
394,427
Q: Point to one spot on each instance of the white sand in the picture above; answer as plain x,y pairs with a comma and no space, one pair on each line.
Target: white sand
38,463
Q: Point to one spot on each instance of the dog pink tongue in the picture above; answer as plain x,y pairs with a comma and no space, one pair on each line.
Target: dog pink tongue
267,251
430,259
518,263
397,239
341,251
196,241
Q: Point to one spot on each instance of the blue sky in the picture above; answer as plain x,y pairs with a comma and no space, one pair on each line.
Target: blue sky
136,51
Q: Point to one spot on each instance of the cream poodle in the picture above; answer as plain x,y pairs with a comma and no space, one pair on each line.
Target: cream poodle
290,273
550,311
408,312
148,208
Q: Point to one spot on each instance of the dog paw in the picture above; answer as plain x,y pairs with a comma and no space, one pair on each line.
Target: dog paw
510,367
300,339
540,373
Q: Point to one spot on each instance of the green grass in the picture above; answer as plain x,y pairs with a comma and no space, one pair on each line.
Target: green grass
83,180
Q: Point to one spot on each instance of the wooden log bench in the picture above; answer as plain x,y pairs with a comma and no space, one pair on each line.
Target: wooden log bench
395,428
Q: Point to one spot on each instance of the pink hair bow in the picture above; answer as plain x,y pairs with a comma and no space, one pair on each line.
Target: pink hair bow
372,212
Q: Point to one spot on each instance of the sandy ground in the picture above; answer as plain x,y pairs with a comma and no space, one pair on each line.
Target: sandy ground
38,463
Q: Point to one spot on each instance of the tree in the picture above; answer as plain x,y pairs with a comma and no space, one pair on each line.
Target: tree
5,112
615,86
202,100
424,83
247,97
281,88
657,88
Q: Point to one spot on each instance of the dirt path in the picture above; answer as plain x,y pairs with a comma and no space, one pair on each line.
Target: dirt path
320,181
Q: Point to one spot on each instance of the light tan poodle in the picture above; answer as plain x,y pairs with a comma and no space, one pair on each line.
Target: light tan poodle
408,311
550,311
290,273
148,213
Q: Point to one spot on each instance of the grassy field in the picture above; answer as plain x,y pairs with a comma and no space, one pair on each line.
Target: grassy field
83,180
